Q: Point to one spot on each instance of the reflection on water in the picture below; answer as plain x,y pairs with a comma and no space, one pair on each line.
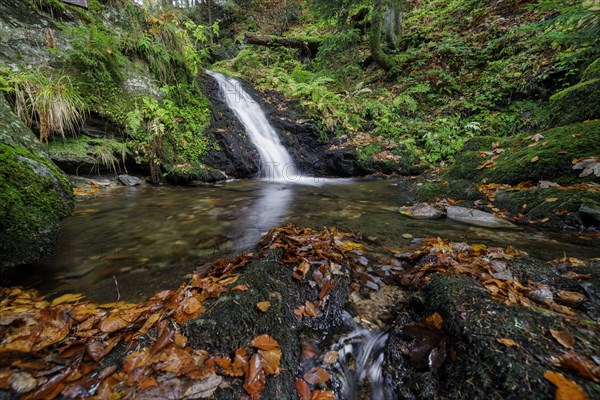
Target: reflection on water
150,238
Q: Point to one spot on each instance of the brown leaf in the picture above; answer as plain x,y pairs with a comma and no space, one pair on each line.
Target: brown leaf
112,323
310,309
263,305
270,360
326,289
264,342
95,350
255,378
240,288
579,365
316,375
303,389
301,270
566,389
571,299
564,338
551,199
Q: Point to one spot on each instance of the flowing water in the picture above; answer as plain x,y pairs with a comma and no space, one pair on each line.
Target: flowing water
129,242
276,163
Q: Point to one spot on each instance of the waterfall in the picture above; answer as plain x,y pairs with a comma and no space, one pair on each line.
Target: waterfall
276,163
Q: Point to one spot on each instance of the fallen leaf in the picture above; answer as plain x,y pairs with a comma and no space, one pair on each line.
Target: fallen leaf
589,166
263,306
323,395
537,137
579,365
301,270
264,342
255,378
270,360
507,342
310,309
571,299
330,357
535,159
566,389
564,338
551,200
303,389
240,288
316,375
67,298
435,320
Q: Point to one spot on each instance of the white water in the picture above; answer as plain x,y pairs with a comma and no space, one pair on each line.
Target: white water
276,163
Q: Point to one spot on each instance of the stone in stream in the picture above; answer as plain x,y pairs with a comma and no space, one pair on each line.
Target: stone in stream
129,180
476,217
422,211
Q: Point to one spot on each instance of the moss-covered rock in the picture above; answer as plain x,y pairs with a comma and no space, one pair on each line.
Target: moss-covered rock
577,103
188,174
454,189
524,160
592,71
557,207
34,194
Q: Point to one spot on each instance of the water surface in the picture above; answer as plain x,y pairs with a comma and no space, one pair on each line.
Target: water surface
143,239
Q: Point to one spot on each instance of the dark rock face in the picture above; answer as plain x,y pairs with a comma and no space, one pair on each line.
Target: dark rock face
34,194
238,157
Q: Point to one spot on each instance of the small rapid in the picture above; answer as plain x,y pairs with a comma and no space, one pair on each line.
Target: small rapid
276,162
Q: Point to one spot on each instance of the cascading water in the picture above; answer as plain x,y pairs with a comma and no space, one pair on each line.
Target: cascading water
276,163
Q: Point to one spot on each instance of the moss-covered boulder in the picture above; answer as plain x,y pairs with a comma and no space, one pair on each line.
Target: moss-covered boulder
524,159
577,103
592,71
34,194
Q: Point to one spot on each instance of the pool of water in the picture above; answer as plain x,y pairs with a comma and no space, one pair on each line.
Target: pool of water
131,242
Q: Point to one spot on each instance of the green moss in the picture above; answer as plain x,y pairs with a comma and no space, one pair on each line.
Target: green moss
34,195
592,71
577,103
454,189
80,146
554,153
564,209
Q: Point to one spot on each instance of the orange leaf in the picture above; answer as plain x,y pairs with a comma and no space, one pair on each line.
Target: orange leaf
435,321
323,395
566,389
316,375
303,389
240,288
264,342
263,306
270,360
301,270
564,338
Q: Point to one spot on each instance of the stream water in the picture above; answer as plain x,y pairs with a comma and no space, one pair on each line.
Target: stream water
149,238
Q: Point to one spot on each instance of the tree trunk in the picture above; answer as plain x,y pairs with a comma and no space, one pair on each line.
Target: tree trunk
393,23
309,47
382,59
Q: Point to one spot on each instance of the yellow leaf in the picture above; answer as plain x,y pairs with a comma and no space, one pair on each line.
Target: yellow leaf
551,200
566,389
67,298
535,159
263,306
507,342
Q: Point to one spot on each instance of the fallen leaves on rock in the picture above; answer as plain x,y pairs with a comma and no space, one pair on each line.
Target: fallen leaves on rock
566,389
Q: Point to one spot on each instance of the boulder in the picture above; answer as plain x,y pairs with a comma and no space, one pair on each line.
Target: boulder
129,180
34,194
422,211
476,217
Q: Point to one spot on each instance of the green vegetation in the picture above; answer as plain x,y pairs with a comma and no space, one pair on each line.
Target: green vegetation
47,100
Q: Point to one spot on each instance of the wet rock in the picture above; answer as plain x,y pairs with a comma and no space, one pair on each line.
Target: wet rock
34,194
476,217
185,174
422,211
129,180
